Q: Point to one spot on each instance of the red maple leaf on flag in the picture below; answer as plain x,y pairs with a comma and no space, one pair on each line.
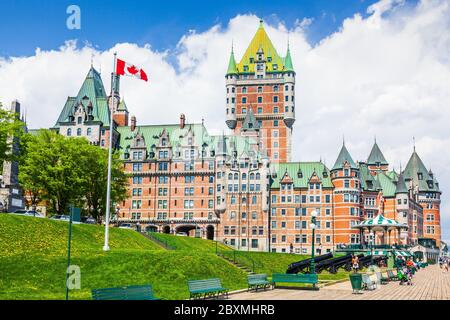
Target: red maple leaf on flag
133,70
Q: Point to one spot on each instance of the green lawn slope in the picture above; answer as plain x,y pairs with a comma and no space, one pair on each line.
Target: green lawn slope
33,261
189,243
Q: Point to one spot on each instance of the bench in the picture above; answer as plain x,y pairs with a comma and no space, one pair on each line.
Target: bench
295,278
256,281
206,288
142,292
381,278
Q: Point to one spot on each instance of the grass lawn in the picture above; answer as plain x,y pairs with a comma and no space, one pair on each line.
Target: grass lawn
33,261
189,243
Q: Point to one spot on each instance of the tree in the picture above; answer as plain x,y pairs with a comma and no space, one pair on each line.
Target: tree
10,126
64,171
95,164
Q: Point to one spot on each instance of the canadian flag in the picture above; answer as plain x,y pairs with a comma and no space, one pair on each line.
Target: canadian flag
126,69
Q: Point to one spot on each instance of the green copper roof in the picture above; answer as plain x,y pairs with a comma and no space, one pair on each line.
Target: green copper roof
344,156
387,184
417,172
306,168
376,156
401,185
91,92
261,41
250,122
288,61
122,106
232,69
367,180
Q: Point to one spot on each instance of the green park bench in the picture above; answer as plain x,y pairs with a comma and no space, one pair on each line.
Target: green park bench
295,278
206,288
142,292
256,281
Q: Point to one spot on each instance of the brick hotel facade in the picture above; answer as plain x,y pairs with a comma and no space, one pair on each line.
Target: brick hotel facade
243,188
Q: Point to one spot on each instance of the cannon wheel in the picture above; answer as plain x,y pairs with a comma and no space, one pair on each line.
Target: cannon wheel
333,269
348,267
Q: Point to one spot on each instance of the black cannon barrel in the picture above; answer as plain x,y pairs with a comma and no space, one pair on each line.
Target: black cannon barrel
297,267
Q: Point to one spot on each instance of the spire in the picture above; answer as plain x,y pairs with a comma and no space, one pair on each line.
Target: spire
401,185
416,171
288,60
376,156
343,157
232,63
250,122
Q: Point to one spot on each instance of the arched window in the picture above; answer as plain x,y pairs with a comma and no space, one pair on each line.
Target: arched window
230,176
252,176
244,176
236,177
69,132
89,131
79,132
258,176
79,120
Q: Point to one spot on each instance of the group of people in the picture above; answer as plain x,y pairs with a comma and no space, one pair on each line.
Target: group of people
444,263
406,268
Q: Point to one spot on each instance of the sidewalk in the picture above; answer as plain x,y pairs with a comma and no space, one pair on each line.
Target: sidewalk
428,284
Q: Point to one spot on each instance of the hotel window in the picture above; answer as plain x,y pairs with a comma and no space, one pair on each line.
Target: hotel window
163,179
244,89
260,99
79,120
136,204
244,242
275,133
244,110
297,224
137,166
79,132
275,123
328,224
283,224
162,215
259,110
260,89
275,88
274,238
254,243
274,224
89,131
275,99
137,192
346,183
137,180
275,109
69,132
244,100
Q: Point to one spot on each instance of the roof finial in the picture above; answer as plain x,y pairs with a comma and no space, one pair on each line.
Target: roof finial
92,60
414,144
375,139
260,23
343,140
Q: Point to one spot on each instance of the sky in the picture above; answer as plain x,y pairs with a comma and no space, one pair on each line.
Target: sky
364,68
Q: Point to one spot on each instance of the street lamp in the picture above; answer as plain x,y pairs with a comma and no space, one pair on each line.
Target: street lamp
312,268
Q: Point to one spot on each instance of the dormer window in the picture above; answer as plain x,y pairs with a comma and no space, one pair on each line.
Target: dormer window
269,59
378,164
163,142
252,60
420,175
245,68
275,66
79,120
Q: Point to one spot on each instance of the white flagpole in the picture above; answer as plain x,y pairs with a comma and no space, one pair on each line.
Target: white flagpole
111,129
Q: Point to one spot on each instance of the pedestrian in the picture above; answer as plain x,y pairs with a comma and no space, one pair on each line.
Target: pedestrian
355,263
446,264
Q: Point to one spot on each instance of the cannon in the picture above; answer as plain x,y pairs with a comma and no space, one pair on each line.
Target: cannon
300,266
332,265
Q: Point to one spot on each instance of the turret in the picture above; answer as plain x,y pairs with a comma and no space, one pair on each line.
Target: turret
376,160
231,80
289,90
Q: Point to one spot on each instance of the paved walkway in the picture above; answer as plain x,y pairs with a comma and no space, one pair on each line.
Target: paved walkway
430,283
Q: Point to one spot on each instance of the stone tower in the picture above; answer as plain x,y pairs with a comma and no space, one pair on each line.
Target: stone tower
11,198
263,83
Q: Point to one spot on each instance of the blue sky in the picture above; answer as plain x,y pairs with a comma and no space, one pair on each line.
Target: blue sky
28,24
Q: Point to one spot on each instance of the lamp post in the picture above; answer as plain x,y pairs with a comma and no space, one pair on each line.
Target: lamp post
312,268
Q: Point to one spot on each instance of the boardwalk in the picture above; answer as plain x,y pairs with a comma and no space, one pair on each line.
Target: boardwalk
428,284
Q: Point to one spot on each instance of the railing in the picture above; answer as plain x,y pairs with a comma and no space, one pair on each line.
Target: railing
369,247
240,257
162,243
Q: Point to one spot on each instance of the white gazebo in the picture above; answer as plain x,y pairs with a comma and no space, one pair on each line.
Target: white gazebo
381,224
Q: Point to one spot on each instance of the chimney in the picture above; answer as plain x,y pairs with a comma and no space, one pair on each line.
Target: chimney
182,121
133,123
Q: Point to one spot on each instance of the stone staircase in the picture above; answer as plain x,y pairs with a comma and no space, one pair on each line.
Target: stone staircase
244,268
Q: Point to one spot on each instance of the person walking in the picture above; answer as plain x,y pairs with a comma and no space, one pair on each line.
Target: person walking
355,263
446,264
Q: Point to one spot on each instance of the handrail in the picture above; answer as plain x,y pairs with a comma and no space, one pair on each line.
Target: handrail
233,255
164,244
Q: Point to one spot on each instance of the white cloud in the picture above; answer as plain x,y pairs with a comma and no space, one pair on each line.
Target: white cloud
386,75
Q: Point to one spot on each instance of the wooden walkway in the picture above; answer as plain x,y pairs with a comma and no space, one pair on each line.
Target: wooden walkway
430,283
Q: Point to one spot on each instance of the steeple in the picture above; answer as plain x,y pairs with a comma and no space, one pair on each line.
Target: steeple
232,63
288,61
401,185
417,172
250,122
343,157
376,157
